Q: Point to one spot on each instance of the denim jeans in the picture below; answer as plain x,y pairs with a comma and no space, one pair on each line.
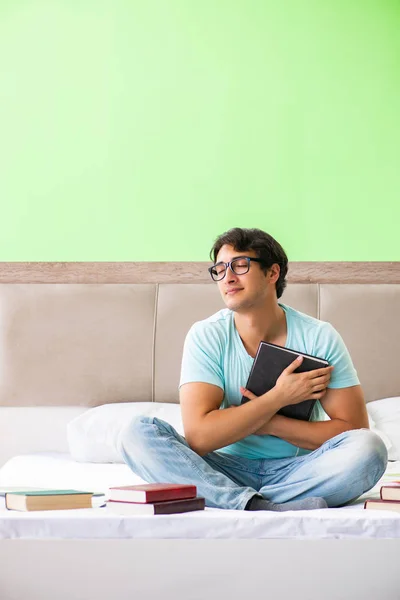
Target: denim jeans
339,471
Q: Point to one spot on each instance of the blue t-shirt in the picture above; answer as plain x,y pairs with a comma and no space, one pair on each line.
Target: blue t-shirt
214,353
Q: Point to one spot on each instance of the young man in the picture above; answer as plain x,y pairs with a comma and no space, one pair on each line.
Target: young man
245,456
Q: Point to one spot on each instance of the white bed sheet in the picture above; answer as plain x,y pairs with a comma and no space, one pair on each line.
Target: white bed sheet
52,470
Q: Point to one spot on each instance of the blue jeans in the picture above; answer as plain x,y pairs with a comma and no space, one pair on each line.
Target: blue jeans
339,471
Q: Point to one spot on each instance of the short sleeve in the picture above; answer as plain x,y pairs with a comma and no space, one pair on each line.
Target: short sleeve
329,344
202,356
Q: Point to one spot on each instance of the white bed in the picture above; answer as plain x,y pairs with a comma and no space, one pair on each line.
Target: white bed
210,546
58,470
196,556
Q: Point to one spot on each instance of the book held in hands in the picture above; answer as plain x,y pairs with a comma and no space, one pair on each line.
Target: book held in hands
268,365
152,492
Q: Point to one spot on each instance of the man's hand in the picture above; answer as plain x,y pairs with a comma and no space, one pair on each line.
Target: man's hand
293,388
268,427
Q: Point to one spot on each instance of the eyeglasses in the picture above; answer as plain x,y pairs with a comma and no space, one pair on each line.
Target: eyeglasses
239,265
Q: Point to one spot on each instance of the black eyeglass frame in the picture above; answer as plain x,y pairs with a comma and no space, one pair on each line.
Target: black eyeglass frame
229,264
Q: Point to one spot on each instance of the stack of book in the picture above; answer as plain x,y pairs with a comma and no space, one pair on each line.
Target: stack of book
390,498
154,499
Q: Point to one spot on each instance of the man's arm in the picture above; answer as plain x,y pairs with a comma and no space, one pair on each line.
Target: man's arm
345,407
207,428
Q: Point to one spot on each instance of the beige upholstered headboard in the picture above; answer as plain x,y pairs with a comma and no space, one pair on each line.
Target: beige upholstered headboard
84,334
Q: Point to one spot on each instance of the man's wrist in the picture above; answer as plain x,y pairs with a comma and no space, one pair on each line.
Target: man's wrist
273,399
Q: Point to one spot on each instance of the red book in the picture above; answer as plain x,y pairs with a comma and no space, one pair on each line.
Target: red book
152,492
390,492
167,507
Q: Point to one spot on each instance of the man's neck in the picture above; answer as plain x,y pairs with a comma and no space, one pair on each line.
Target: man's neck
267,323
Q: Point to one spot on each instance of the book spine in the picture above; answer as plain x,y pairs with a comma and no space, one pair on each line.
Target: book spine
178,507
390,488
177,494
395,502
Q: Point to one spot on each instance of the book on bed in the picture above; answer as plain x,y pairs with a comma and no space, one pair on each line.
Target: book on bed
167,507
48,500
383,505
390,492
14,488
152,492
268,365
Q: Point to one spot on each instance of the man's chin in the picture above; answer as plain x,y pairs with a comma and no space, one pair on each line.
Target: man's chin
236,306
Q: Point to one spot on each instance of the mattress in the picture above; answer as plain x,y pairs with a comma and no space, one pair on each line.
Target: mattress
58,471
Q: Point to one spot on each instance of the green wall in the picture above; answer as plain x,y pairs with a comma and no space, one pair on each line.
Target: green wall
141,130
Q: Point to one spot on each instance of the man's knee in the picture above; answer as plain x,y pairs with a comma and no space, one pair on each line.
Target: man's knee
133,433
371,449
372,444
137,425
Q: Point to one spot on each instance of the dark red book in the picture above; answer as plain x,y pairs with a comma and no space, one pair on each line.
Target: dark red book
390,492
167,507
152,492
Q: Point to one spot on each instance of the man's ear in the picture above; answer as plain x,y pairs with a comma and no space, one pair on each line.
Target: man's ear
273,273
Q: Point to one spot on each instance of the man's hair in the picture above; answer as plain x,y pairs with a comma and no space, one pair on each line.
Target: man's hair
264,245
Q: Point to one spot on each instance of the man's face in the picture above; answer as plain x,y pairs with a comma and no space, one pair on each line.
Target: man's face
242,292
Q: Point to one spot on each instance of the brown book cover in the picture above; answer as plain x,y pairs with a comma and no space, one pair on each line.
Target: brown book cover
152,492
382,505
156,508
390,492
48,500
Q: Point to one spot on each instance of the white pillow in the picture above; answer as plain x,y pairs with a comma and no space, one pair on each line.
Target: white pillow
384,437
93,435
385,415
